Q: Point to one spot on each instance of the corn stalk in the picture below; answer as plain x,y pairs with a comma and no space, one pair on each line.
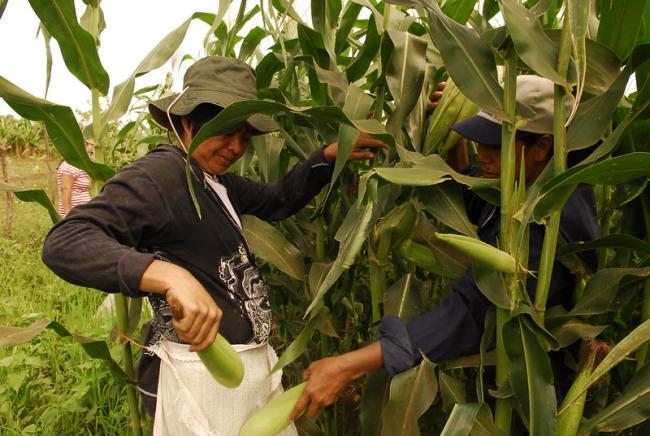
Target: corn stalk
503,411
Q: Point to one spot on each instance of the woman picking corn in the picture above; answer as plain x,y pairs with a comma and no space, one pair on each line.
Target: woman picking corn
142,237
454,328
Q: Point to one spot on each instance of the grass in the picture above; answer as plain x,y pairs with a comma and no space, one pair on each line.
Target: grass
50,386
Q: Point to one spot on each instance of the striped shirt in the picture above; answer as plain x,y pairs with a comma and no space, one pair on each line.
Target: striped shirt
80,186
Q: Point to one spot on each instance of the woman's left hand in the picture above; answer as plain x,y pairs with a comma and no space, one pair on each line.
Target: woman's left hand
364,148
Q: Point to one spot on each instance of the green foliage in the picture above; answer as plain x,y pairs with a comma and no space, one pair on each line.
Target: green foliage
51,385
366,248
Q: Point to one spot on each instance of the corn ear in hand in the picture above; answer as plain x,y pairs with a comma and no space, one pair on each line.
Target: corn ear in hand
223,362
481,252
443,116
273,417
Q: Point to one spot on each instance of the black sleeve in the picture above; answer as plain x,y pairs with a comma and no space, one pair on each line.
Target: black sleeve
96,244
451,329
283,198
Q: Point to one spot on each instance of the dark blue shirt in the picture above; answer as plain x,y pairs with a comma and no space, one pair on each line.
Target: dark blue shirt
454,328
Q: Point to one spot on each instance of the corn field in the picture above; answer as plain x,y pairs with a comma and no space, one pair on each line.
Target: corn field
367,246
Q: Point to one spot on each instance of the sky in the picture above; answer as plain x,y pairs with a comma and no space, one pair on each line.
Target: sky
133,28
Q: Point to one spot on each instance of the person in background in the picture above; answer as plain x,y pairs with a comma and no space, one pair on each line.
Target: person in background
143,237
454,328
73,184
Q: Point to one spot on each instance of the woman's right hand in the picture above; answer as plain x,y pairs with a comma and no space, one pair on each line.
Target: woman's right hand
196,315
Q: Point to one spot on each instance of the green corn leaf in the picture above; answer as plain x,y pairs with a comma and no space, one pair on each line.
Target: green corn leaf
123,92
361,217
337,84
61,126
266,68
491,284
271,245
484,425
95,348
468,59
268,149
625,347
86,21
462,419
570,330
626,192
459,10
404,75
77,46
35,195
357,105
453,261
379,18
312,45
610,144
371,401
452,390
620,22
610,241
3,6
298,346
286,7
445,202
402,298
531,376
346,25
359,66
48,58
250,42
630,408
602,288
531,43
612,171
592,117
429,171
411,394
578,14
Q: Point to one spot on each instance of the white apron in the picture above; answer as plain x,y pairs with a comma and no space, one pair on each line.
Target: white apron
191,402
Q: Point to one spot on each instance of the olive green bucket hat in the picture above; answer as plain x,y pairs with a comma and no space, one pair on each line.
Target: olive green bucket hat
216,80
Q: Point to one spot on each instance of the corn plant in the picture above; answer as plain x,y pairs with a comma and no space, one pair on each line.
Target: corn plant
373,242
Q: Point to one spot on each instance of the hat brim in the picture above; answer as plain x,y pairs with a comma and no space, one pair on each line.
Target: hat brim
479,129
192,98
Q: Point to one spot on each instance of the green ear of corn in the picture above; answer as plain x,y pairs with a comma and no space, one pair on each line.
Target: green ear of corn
443,117
467,110
422,256
223,362
273,417
481,252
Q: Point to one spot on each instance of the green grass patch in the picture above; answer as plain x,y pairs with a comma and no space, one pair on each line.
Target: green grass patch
50,385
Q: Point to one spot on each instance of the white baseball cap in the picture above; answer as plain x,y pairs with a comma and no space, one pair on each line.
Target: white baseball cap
533,91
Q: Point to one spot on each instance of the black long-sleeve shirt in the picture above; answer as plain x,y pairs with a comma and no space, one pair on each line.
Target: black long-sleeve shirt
454,328
146,212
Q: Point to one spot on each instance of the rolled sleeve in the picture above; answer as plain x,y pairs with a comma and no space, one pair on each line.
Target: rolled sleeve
130,269
396,348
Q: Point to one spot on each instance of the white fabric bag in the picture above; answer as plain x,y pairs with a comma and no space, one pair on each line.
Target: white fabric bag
191,402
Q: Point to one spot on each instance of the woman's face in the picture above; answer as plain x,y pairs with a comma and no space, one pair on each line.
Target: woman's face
215,155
